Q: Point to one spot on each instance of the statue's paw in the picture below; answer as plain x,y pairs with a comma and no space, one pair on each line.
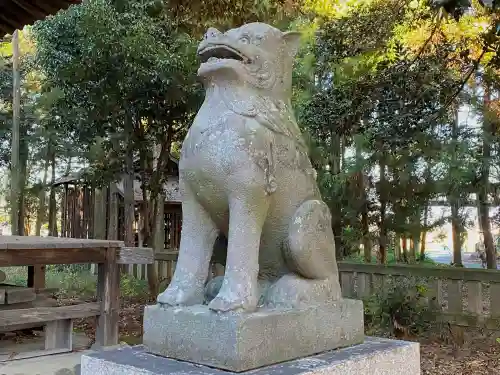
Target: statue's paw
177,296
213,288
224,302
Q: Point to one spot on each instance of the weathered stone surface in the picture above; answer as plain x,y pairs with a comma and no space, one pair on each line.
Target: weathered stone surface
374,357
243,341
245,173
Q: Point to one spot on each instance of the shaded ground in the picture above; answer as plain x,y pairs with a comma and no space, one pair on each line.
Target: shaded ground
482,356
473,355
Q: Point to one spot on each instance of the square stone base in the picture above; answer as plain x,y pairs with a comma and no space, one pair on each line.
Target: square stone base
244,341
374,356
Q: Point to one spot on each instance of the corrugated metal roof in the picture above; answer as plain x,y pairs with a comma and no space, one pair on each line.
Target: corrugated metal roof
171,187
65,179
15,14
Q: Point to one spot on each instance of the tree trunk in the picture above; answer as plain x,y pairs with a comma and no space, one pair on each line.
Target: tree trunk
129,202
128,189
367,243
158,241
36,274
145,222
425,227
424,233
152,207
52,196
456,233
343,142
414,245
397,248
416,233
404,248
454,197
23,227
156,226
360,178
335,162
484,207
382,252
40,216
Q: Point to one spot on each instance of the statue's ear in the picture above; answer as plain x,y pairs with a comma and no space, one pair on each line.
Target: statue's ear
292,41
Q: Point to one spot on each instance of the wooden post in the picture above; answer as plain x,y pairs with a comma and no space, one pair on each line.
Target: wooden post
108,293
170,270
59,334
36,277
15,171
64,211
99,218
113,212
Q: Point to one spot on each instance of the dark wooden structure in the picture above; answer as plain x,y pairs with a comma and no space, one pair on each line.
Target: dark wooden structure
77,208
88,212
15,14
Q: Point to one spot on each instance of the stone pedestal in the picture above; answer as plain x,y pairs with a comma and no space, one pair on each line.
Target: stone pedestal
244,341
374,356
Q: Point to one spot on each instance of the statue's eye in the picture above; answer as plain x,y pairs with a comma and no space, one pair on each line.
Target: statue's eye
245,39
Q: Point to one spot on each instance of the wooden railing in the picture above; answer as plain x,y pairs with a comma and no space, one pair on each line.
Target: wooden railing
165,262
462,296
58,321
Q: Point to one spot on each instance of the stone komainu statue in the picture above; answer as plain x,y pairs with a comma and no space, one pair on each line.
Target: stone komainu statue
245,173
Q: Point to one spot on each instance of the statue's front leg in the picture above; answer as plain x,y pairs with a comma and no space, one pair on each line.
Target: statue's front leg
197,240
240,290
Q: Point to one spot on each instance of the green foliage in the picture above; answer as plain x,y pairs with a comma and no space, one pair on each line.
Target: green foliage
401,307
72,283
377,87
130,286
126,79
392,259
76,282
381,117
197,16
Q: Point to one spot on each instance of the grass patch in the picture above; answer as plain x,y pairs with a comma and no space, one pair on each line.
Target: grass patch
75,281
391,259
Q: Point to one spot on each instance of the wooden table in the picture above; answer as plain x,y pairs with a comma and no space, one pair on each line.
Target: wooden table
31,250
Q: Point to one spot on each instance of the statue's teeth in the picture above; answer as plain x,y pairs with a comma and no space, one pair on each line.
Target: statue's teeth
212,59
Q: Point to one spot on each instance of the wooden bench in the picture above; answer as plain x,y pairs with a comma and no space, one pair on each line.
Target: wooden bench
58,321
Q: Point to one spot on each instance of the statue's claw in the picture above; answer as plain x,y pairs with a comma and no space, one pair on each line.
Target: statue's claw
176,296
228,300
222,305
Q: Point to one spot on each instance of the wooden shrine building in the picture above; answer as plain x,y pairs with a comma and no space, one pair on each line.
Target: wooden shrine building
88,212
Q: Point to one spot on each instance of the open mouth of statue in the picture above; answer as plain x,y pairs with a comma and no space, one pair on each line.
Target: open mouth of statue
220,52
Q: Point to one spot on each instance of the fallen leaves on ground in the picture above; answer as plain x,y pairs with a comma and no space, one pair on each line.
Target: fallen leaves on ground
479,356
129,325
476,358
